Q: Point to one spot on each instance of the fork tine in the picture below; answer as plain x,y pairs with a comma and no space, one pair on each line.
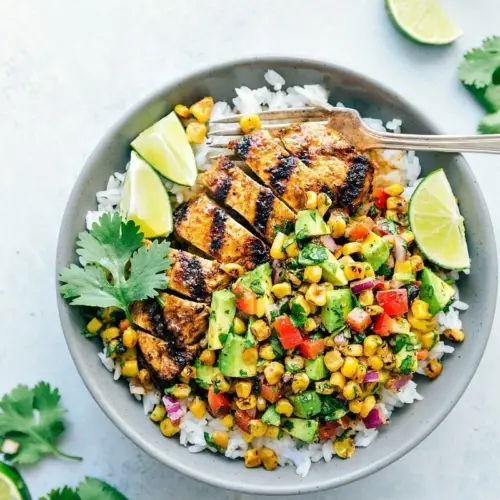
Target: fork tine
236,131
220,142
280,114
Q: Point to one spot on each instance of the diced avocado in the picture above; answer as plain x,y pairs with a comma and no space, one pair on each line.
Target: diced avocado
222,311
405,348
258,280
271,417
403,272
375,250
435,291
205,374
332,271
231,362
306,405
293,365
305,430
309,223
338,305
316,369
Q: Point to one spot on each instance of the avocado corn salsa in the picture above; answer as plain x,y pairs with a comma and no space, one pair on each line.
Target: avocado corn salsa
281,339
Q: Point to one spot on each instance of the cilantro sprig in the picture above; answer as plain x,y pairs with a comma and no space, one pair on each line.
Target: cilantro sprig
89,489
116,268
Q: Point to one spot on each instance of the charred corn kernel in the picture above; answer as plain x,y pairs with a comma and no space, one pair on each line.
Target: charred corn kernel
375,362
281,290
234,270
252,458
248,438
314,307
355,350
333,360
261,403
349,367
110,333
181,391
408,236
239,326
221,439
316,294
374,310
266,352
417,263
202,109
108,313
295,280
392,215
394,189
246,403
351,390
196,132
428,340
144,378
198,407
257,428
310,325
324,387
221,383
188,373
272,431
337,225
273,372
158,413
423,325
344,448
368,405
129,354
354,271
324,203
207,357
277,246
284,407
300,382
403,267
352,247
94,325
311,200
300,300
295,363
269,458
303,289
129,338
182,111
228,421
369,272
360,373
130,368
366,298
249,123
396,203
292,250
370,344
313,274
168,428
454,334
420,309
250,355
243,389
355,405
433,368
338,253
124,324
261,330
337,380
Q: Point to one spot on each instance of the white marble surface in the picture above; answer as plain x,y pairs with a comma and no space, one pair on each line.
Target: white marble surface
70,69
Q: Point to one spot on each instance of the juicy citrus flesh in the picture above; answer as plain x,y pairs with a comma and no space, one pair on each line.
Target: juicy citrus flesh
437,223
10,484
424,21
145,199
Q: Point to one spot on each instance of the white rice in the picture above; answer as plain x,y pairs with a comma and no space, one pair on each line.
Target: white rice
406,171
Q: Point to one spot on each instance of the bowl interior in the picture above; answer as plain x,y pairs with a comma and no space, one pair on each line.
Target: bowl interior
410,424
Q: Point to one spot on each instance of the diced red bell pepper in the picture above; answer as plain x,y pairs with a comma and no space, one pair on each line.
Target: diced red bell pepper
422,354
311,349
242,419
394,302
327,430
246,300
379,196
288,333
383,325
219,404
358,320
270,393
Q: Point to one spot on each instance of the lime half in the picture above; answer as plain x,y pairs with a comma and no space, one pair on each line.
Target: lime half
165,147
145,199
437,224
424,21
12,486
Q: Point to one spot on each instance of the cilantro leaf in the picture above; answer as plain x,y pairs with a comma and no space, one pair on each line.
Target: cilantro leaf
65,493
407,365
33,418
480,64
313,255
89,489
490,124
492,97
298,315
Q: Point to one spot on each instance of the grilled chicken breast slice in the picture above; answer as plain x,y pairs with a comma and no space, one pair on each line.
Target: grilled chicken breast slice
285,174
208,227
255,203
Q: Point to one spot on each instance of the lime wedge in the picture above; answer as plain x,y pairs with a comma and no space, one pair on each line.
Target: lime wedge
165,147
437,224
145,199
423,21
12,486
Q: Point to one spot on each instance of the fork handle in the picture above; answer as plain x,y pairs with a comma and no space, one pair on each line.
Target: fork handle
446,143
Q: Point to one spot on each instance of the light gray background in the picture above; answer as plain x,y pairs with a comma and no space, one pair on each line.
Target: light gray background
70,69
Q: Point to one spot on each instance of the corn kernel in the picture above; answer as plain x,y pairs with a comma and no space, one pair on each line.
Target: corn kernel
368,405
247,403
207,357
423,325
349,367
338,253
333,360
261,404
269,458
181,391
428,340
338,380
202,109
344,448
252,458
196,132
292,250
351,248
324,387
248,438
313,274
403,267
228,421
129,354
130,368
198,407
243,389
311,200
145,379
300,382
110,333
375,362
94,325
158,413
109,313
324,203
239,326
355,406
188,373
284,407
277,246
408,236
294,363
129,338
396,203
256,427
337,225
261,330
281,290
316,294
168,428
234,270
273,372
420,309
249,123
417,263
266,352
454,334
182,111
310,325
221,439
374,310
351,390
124,324
359,376
366,298
394,189
250,355
354,271
433,368
355,350
370,344
273,431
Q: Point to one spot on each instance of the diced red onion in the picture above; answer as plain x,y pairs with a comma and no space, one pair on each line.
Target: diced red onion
371,376
174,409
402,381
277,274
340,339
10,447
252,413
374,419
362,285
329,242
399,248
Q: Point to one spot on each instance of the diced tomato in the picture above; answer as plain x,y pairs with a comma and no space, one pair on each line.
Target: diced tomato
422,354
270,393
358,232
246,300
344,422
394,302
358,320
383,325
379,196
311,349
288,333
379,283
327,430
219,404
242,419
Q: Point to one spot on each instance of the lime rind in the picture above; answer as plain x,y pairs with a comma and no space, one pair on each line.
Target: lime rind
12,484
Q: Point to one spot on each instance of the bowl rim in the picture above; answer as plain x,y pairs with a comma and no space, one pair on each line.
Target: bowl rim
126,428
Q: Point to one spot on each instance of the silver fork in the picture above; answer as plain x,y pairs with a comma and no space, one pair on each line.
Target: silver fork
349,123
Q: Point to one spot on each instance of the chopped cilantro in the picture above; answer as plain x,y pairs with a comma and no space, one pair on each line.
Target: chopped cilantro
298,315
313,255
257,287
276,345
384,270
406,366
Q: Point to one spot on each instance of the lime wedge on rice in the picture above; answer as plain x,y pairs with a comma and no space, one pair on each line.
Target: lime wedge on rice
437,224
165,147
12,486
145,199
423,21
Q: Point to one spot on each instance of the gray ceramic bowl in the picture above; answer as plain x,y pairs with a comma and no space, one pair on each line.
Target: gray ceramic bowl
409,425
